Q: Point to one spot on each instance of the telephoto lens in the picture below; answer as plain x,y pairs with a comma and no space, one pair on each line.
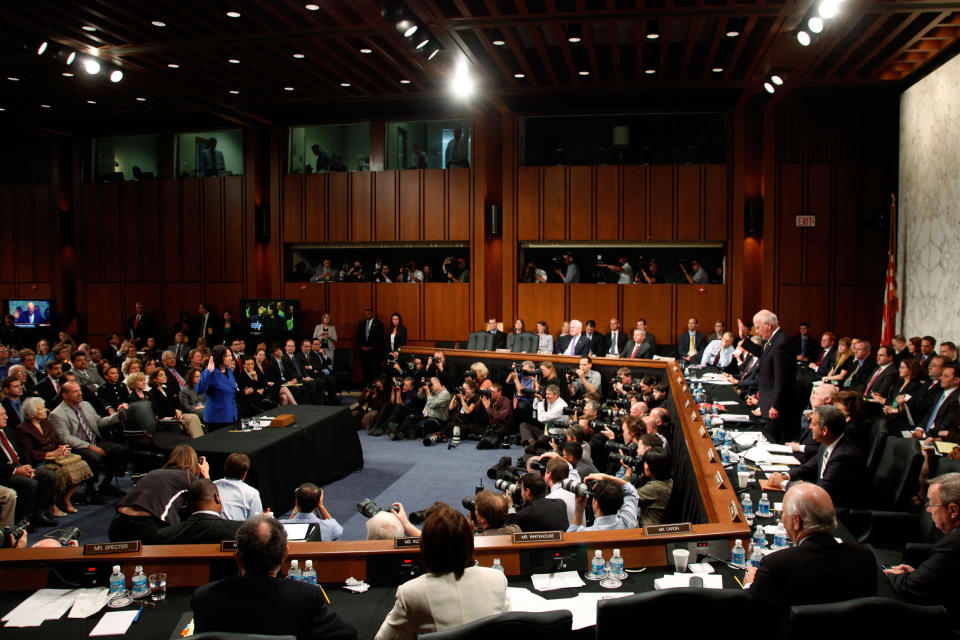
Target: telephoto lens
434,438
503,463
577,488
506,486
368,508
417,517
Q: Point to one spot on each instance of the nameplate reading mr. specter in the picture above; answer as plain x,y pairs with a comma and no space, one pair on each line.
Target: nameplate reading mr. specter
102,548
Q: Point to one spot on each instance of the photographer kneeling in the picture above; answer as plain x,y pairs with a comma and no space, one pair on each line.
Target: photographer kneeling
436,410
489,517
547,410
499,411
614,504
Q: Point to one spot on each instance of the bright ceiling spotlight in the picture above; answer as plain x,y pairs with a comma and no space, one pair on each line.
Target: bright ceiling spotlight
769,88
407,28
803,38
828,8
42,48
91,66
433,54
815,24
777,80
116,75
423,43
71,58
462,85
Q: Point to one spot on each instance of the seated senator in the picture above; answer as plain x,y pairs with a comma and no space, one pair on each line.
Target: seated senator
206,524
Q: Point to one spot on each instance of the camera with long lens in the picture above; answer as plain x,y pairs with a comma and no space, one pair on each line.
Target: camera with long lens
502,464
539,465
512,488
470,373
372,387
64,536
485,393
527,393
611,412
470,504
613,425
434,438
634,462
613,445
577,488
620,403
570,376
459,391
368,508
417,517
10,535
398,382
391,359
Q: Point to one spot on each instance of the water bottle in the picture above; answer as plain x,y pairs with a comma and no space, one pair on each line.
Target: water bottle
742,464
309,575
138,583
725,455
721,432
759,538
714,410
747,505
616,564
497,566
596,565
756,556
763,506
294,573
117,580
780,536
739,556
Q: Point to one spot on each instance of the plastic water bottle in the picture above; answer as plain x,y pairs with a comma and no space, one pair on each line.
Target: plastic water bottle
739,555
759,538
497,566
742,464
721,432
756,556
596,565
117,580
763,506
747,505
780,536
725,455
616,564
714,410
138,583
309,575
294,573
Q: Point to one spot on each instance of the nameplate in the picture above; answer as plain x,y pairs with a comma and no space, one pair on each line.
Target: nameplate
228,545
103,548
711,456
667,529
703,431
538,536
719,478
686,402
693,416
734,509
408,541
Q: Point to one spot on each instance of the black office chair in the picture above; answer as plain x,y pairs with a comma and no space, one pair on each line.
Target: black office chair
140,430
475,341
662,611
875,439
866,617
343,368
896,479
556,625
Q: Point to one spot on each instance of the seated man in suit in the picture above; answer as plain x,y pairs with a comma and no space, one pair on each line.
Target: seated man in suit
883,377
819,569
803,344
934,581
806,447
691,342
205,524
940,420
615,341
34,487
575,344
838,466
499,337
863,368
260,601
823,364
719,353
538,512
637,346
615,503
308,499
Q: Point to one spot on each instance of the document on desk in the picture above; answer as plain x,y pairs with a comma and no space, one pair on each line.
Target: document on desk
89,602
770,468
734,417
783,460
775,448
552,581
583,606
45,604
746,439
677,580
114,623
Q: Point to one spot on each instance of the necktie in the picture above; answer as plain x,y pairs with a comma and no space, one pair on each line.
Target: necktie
716,361
84,429
693,345
179,347
822,356
933,413
17,404
613,342
9,450
136,322
866,391
636,347
803,345
573,346
173,372
849,380
296,365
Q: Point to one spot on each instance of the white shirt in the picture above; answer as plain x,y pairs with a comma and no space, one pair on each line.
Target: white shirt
557,492
826,454
710,354
552,412
625,276
239,500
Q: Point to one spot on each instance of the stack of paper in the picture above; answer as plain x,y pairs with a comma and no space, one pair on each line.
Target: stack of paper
583,606
115,623
552,581
734,417
678,580
45,604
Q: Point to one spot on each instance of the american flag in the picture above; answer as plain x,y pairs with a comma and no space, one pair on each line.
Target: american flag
891,304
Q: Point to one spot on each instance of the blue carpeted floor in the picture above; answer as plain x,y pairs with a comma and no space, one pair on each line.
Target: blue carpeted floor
402,471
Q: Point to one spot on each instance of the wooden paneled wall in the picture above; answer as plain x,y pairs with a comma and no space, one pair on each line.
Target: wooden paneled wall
29,242
170,244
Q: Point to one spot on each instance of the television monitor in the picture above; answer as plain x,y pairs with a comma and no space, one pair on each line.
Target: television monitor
270,316
30,313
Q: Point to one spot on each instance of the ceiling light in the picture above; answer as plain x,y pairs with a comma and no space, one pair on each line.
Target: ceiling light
233,14
45,106
71,58
116,75
91,102
158,23
2,109
768,87
234,92
732,33
499,43
649,72
13,79
462,85
233,61
344,84
718,69
312,7
141,99
91,66
423,43
777,80
407,28
433,54
67,74
404,81
815,24
173,66
365,50
288,88
42,48
299,56
584,73
828,8
87,27
653,36
519,75
573,33
803,38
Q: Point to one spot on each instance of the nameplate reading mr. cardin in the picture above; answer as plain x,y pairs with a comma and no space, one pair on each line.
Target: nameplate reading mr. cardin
101,548
665,529
410,541
538,536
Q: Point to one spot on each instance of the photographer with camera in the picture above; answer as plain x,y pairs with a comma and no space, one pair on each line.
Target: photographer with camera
410,273
661,390
308,508
655,491
623,383
403,397
499,410
614,502
623,270
524,379
631,430
533,274
373,399
537,513
456,270
570,272
547,409
436,411
584,379
572,452
557,471
437,367
489,515
466,412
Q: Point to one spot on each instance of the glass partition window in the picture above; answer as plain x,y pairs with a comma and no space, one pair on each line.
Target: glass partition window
133,157
330,147
623,264
428,144
209,153
410,262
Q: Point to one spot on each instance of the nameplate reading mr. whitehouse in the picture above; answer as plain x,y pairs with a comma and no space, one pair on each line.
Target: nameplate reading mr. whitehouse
409,541
538,536
666,529
102,548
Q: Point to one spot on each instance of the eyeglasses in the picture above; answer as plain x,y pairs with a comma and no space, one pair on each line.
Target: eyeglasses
930,505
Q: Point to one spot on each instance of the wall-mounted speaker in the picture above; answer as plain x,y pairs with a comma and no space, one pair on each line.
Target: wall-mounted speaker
494,219
261,216
753,217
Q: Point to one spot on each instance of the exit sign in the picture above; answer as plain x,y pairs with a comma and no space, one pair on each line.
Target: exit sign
806,221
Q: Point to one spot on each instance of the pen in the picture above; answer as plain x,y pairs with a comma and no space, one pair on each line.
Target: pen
324,594
738,582
137,617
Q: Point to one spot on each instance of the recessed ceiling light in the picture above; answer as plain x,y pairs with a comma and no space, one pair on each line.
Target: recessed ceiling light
815,24
519,75
344,84
365,50
804,38
91,102
573,39
288,88
777,80
234,92
299,56
233,14
433,55
67,74
2,109
87,27
42,48
404,81
718,69
649,72
141,99
423,43
71,57
13,79
768,87
116,75
91,66
233,61
159,23
732,33
584,73
312,7
45,106
498,43
173,66
653,36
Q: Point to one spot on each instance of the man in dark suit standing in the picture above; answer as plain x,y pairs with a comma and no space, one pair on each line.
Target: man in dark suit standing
637,347
776,375
139,326
615,341
803,344
819,569
691,342
935,580
205,524
241,604
538,513
838,466
370,342
206,326
575,344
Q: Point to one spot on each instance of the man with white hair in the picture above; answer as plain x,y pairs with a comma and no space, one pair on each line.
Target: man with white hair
776,374
384,525
574,344
806,446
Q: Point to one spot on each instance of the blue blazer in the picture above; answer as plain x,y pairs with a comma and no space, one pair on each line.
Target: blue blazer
221,392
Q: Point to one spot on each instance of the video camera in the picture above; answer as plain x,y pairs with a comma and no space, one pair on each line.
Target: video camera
397,382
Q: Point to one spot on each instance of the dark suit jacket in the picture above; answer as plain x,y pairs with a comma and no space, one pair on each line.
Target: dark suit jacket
826,361
683,344
812,350
622,338
199,528
543,514
887,378
810,446
748,374
819,570
935,580
306,363
269,606
946,417
843,478
596,342
213,330
143,330
7,468
13,419
860,376
401,339
376,335
776,374
582,348
645,351
46,391
914,389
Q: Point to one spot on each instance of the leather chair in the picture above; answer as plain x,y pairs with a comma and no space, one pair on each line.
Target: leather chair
144,437
343,368
530,343
666,613
555,625
897,474
475,341
875,439
866,617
